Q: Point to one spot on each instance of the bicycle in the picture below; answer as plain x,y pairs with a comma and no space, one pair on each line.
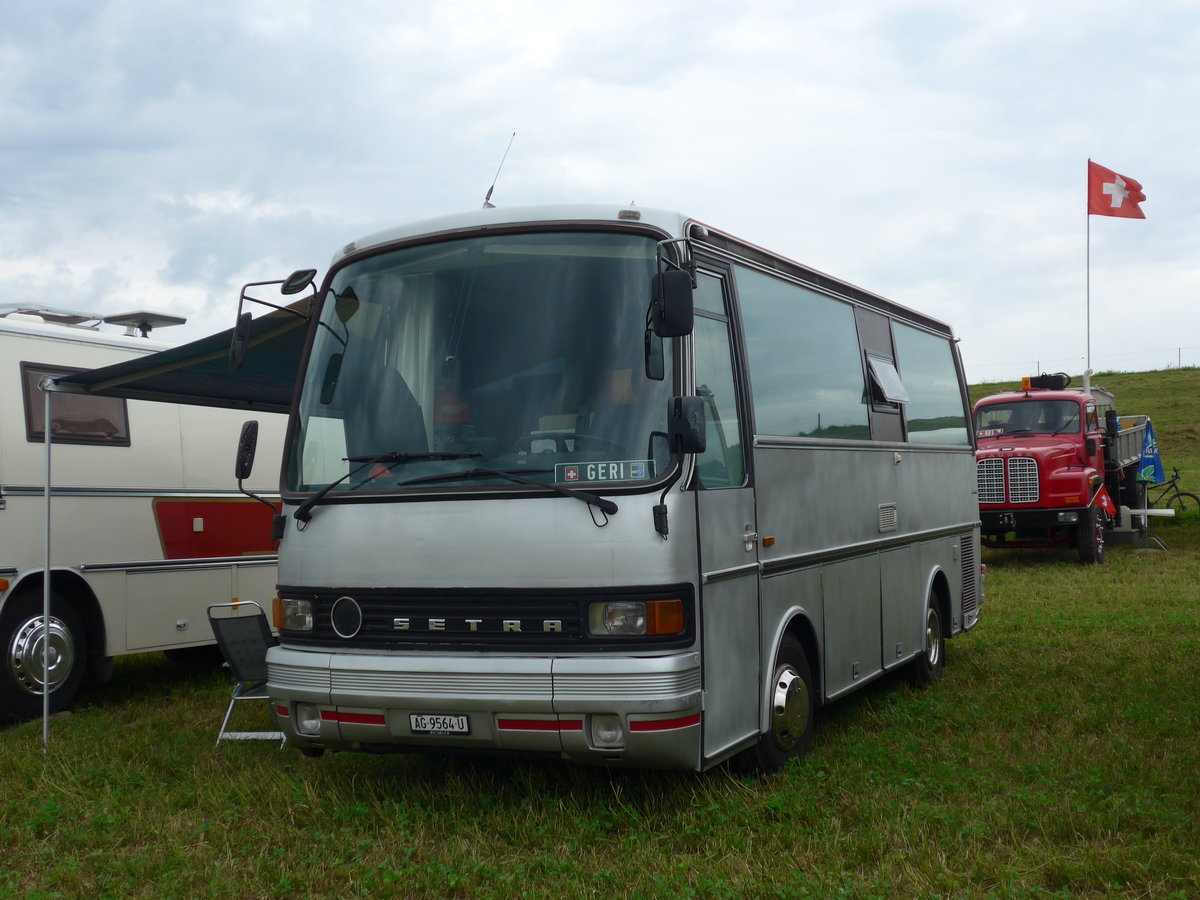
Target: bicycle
1168,494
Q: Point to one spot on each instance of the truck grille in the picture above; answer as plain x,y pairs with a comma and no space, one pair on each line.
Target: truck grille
990,475
1022,480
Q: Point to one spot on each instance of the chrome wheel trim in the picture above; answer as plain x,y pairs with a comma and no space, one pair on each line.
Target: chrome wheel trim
789,708
24,656
933,637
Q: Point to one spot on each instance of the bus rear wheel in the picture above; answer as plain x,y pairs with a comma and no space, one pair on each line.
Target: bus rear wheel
927,667
790,720
23,640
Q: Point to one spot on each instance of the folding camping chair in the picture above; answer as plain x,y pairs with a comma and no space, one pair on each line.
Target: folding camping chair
244,639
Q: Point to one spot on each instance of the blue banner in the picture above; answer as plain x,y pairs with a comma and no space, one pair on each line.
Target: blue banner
1150,468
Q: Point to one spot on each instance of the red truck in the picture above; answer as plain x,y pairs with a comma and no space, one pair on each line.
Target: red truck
1052,464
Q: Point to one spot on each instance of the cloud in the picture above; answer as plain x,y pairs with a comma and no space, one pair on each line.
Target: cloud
930,151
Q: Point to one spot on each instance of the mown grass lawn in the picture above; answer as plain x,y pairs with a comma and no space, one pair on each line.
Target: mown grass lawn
1059,757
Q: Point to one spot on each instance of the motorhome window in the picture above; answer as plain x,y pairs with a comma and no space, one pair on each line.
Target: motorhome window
805,365
935,412
524,350
74,418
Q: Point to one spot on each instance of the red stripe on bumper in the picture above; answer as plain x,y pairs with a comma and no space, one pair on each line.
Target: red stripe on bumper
349,718
539,725
665,724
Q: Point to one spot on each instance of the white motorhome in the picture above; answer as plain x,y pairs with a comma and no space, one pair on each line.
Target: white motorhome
148,528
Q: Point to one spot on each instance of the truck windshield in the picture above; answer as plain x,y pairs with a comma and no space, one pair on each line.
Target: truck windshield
519,353
1028,417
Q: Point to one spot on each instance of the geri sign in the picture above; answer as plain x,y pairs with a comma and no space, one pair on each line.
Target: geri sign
613,470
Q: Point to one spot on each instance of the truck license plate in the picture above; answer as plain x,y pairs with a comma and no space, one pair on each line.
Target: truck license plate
438,723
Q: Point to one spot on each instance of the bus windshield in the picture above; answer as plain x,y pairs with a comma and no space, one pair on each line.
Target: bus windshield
467,361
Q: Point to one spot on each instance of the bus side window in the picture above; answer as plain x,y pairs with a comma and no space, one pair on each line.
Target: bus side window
722,463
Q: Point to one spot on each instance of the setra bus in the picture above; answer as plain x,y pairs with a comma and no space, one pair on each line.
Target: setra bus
613,486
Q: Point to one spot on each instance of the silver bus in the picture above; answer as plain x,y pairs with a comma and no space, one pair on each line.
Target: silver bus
613,486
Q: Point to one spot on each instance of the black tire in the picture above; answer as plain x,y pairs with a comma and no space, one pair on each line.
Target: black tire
793,705
928,666
1183,502
1091,536
21,667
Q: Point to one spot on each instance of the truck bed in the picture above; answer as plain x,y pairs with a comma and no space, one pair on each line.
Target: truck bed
1130,439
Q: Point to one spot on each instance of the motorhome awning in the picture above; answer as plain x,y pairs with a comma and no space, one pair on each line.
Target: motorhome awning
198,373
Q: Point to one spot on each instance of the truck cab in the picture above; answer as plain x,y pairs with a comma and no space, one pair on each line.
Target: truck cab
1046,468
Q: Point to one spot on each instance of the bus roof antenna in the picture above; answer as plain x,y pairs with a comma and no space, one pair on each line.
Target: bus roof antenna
487,200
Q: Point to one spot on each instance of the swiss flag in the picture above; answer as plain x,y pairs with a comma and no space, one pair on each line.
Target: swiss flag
1110,194
1104,501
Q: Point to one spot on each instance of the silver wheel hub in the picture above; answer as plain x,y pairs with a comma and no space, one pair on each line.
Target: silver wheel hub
789,708
25,655
933,635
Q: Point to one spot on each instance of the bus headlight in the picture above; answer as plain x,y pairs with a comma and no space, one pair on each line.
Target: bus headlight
607,732
293,615
308,718
636,617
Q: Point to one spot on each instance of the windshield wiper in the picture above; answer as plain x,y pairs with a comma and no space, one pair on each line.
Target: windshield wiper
392,458
602,503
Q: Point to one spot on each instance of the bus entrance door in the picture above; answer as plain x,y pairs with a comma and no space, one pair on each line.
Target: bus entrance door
725,507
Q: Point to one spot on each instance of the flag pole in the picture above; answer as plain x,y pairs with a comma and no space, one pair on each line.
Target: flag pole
1087,277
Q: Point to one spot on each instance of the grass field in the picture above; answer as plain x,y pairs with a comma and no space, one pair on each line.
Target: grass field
1059,757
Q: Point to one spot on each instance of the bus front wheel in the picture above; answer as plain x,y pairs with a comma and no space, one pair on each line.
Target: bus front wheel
792,706
23,641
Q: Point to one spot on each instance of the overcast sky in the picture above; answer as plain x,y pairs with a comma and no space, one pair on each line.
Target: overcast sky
156,155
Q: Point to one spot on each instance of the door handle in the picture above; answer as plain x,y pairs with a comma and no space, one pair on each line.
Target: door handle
750,538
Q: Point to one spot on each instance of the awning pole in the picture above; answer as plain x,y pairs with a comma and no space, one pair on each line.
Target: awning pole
46,584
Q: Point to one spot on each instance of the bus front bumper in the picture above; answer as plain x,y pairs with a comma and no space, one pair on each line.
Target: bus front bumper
624,711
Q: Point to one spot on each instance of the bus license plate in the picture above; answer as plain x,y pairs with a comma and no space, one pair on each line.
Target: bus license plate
437,723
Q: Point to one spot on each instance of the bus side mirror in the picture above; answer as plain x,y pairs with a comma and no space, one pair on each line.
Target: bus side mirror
247,445
686,425
671,313
297,281
241,336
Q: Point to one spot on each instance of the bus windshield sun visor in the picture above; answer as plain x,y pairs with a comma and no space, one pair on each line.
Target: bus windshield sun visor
605,505
392,458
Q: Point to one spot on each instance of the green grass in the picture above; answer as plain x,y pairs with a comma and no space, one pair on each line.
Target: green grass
1059,757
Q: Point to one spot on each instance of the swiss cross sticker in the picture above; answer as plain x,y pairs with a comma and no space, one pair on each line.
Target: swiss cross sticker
571,473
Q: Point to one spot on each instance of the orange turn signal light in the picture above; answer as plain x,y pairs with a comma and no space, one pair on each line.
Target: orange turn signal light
664,616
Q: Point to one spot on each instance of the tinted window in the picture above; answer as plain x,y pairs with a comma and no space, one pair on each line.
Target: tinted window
935,407
806,370
721,464
74,418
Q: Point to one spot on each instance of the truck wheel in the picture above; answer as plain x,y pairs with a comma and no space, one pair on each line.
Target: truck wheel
22,638
790,727
927,667
1091,536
